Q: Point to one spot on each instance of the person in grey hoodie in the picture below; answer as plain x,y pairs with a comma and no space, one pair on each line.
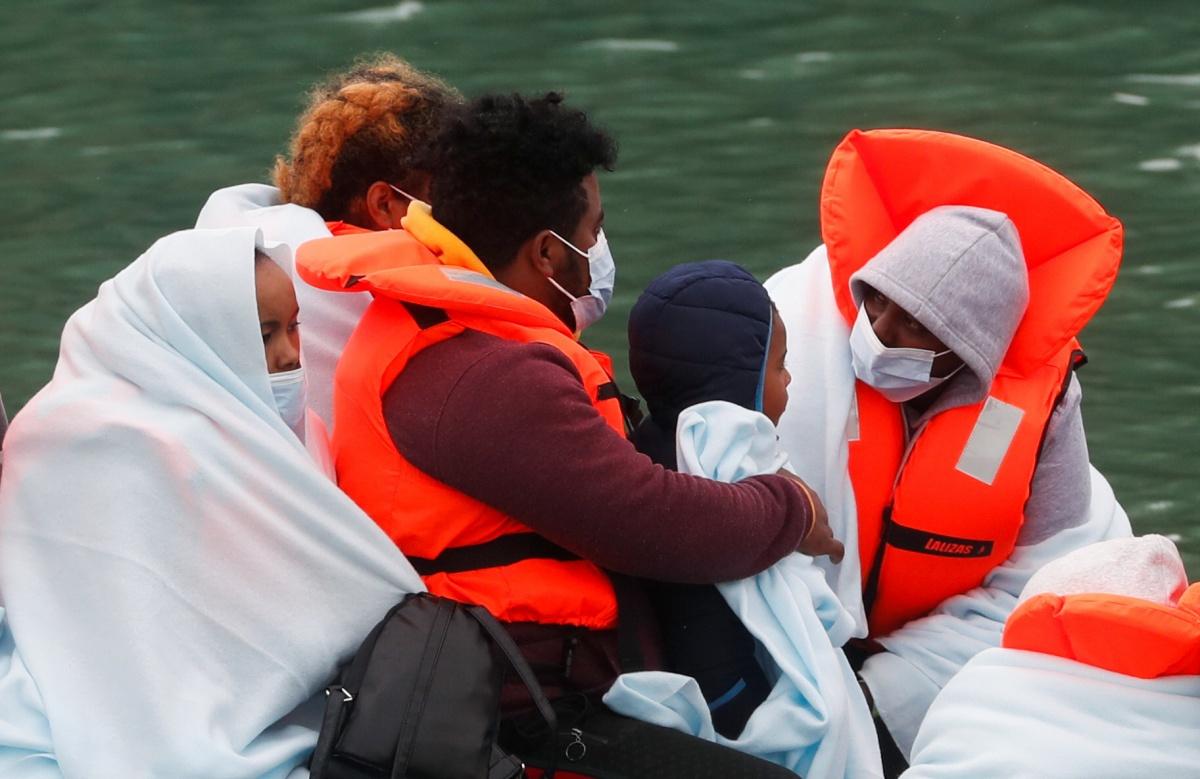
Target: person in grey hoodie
938,309
954,285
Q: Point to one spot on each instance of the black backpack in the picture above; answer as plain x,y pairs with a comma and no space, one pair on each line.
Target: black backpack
421,698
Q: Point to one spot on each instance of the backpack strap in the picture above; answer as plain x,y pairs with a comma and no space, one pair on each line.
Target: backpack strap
516,661
331,726
514,548
416,704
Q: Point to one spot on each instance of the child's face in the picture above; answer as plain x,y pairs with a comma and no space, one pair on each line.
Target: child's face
776,378
277,313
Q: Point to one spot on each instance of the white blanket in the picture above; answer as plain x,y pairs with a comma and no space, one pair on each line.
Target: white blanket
179,578
924,654
815,720
1146,567
327,319
820,400
1010,713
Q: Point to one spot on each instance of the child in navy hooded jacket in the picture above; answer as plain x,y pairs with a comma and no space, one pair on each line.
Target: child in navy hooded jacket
706,331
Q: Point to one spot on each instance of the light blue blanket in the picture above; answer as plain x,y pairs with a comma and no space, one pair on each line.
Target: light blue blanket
815,720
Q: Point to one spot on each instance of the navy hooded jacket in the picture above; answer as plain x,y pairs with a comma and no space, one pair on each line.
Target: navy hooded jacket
699,332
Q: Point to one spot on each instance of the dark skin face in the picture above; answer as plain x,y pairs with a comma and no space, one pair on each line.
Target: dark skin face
544,256
776,378
896,328
277,317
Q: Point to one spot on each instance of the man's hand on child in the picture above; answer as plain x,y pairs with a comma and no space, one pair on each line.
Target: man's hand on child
819,540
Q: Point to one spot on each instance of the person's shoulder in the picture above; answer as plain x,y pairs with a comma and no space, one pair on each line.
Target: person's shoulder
474,358
482,353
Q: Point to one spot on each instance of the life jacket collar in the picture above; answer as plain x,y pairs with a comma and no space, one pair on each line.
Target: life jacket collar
879,181
1125,635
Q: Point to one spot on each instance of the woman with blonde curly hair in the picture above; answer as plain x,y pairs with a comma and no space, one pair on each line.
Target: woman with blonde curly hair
357,158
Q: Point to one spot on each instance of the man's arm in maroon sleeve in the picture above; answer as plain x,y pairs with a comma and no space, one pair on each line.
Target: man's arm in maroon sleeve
511,425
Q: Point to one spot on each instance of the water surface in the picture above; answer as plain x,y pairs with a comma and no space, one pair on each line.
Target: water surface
120,117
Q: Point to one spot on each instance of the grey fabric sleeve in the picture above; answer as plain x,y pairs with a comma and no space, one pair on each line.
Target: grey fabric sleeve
1061,491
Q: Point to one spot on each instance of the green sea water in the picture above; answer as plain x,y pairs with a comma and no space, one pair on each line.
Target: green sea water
118,118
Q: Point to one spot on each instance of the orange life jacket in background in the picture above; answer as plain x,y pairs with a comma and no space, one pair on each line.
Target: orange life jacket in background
938,513
345,228
1125,635
424,297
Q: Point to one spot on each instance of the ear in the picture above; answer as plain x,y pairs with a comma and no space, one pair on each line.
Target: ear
541,252
383,208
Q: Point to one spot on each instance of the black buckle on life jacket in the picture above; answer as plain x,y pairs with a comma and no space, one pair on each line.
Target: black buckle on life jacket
608,391
426,316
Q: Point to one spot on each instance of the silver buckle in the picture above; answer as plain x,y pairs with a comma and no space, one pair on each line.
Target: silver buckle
346,696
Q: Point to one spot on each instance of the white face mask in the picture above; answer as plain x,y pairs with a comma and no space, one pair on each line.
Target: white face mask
899,374
590,307
291,398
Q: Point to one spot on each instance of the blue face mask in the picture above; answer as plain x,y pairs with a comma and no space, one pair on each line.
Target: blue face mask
291,398
589,308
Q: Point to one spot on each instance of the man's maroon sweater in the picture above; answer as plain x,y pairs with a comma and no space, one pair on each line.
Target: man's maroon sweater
512,426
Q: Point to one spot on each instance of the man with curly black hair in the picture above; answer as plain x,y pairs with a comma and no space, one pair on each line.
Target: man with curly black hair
490,444
511,170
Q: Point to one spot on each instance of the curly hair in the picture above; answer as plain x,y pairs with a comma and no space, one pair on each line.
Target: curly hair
507,166
377,121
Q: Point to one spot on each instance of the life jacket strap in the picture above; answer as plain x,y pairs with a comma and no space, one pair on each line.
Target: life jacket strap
505,550
910,539
515,547
920,541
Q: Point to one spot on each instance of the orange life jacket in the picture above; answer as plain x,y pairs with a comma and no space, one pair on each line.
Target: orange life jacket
938,513
440,281
1126,635
339,227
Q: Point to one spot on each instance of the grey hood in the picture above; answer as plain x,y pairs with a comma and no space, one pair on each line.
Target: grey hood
960,272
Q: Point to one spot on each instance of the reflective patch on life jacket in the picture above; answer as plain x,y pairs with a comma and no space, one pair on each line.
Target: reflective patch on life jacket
471,277
990,439
853,432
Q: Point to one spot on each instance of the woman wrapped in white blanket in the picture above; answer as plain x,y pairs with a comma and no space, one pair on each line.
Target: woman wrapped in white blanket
179,579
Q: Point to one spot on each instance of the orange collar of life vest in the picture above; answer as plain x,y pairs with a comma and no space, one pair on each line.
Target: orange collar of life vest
1126,635
879,181
344,228
424,264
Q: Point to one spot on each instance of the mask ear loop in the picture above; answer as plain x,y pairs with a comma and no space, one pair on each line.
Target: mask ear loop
570,245
560,288
575,249
405,194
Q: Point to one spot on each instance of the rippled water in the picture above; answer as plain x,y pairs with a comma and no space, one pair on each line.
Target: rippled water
119,118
